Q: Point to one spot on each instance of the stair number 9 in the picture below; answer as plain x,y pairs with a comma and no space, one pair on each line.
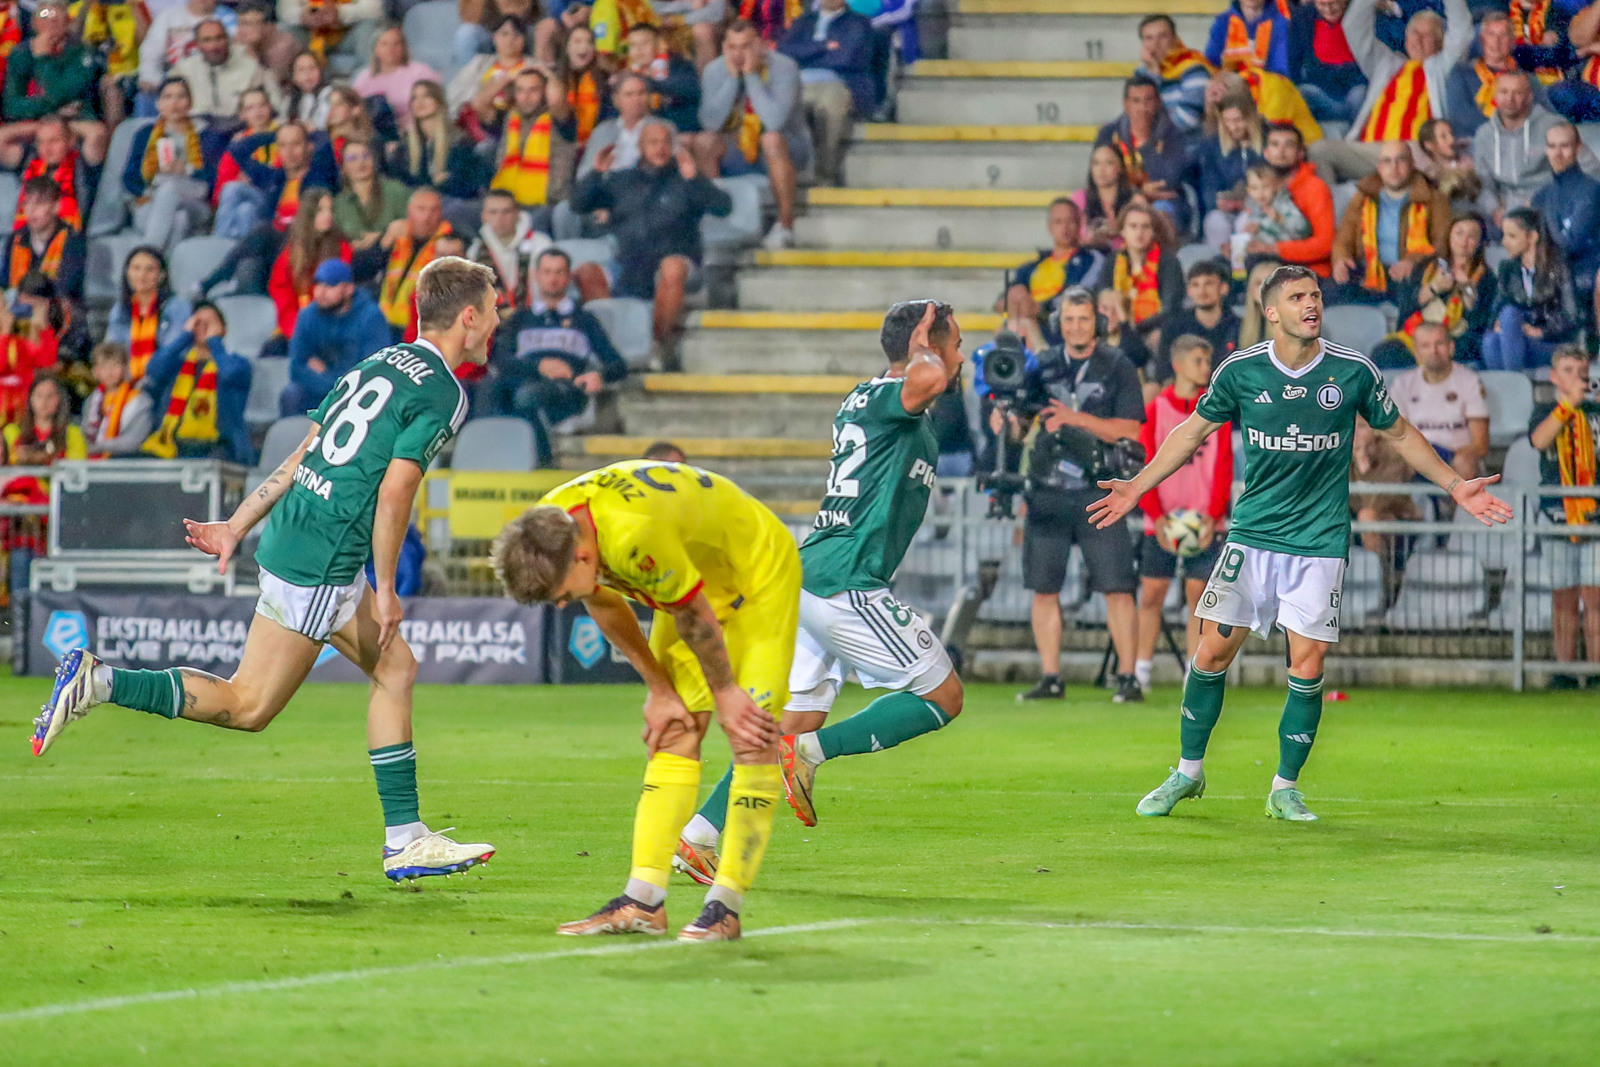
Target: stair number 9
851,440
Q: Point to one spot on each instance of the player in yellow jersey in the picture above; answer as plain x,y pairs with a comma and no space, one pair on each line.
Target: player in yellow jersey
723,575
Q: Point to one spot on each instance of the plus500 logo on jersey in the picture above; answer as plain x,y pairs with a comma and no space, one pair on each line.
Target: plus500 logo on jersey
1293,441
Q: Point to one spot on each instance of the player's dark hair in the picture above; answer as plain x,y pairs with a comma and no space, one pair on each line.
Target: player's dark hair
1148,19
1283,275
446,287
901,322
534,552
1287,128
666,452
1212,268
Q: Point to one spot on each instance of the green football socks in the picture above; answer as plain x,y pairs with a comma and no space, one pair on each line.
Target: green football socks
395,767
158,692
886,722
1202,707
1297,730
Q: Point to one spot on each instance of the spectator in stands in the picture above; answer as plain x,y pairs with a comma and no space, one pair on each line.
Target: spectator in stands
588,85
45,242
674,85
28,346
117,416
1207,317
551,356
408,244
833,46
306,96
1570,207
1276,99
1036,284
1204,484
1233,141
479,19
1396,221
505,240
53,75
1151,147
1251,34
538,109
340,327
1181,72
1147,274
256,32
1396,84
1577,96
348,120
218,74
369,200
269,200
53,154
1374,461
1114,309
703,18
199,390
1567,435
169,40
311,239
49,309
111,31
480,92
171,168
1534,308
1456,291
1269,211
1508,149
656,210
550,33
392,73
1445,400
38,434
1472,83
1285,150
433,152
1102,198
1321,64
146,314
340,31
631,95
752,96
1440,155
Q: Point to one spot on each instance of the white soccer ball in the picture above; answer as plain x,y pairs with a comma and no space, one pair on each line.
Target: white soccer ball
1184,529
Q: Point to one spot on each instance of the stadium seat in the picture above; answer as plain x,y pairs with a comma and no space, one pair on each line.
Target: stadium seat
196,257
1494,255
601,250
1510,396
1343,193
283,437
1589,133
110,211
1497,549
1354,326
1189,255
743,224
268,377
1521,469
629,323
10,189
103,271
430,30
1334,130
1361,599
252,320
495,444
1441,591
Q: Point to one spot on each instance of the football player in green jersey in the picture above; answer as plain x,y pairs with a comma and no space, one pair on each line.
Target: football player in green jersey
884,455
1295,397
345,494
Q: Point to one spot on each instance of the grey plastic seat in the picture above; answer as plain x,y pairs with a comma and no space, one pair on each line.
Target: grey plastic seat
495,444
1189,255
110,199
630,323
1441,591
1510,397
194,258
742,225
268,379
252,321
430,31
1355,326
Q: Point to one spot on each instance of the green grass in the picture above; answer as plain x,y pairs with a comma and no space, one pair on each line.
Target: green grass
995,898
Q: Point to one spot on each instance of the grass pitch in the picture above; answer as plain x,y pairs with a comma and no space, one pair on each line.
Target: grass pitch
176,894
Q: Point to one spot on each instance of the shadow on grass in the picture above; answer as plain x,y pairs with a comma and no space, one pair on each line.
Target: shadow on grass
766,964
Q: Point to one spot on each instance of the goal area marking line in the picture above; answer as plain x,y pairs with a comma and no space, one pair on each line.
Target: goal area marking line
274,985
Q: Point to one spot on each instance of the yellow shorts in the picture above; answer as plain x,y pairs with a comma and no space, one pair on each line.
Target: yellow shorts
760,635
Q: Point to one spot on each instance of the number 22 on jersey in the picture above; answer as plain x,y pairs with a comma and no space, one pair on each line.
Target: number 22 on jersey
852,437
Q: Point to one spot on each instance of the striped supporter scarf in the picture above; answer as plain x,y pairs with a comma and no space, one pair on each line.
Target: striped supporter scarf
584,99
191,141
1575,456
144,324
400,279
1416,240
1241,49
1402,109
65,175
525,164
22,255
1142,288
191,410
1180,60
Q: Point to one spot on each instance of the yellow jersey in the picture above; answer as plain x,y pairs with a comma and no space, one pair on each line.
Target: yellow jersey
668,531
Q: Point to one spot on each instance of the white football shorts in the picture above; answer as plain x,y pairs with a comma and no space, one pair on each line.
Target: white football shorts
315,611
1259,589
870,634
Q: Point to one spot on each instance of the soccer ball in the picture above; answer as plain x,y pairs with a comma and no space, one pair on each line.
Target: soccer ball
1184,528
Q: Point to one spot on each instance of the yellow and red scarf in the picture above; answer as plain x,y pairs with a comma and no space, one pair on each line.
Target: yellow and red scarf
1402,109
143,326
1143,288
10,31
1575,456
1180,60
1132,158
22,255
1485,97
1242,49
65,175
328,37
148,165
525,161
1416,241
1455,309
288,203
1530,29
111,408
192,408
400,279
584,99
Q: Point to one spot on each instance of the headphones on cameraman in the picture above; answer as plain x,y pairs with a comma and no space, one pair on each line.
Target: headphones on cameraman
1101,327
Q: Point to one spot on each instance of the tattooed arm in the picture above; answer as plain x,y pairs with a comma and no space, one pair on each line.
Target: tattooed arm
221,538
750,729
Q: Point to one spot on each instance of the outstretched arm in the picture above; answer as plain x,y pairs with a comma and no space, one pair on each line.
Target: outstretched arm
1174,452
1471,493
220,539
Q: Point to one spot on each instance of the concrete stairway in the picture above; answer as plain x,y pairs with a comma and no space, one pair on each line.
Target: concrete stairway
940,204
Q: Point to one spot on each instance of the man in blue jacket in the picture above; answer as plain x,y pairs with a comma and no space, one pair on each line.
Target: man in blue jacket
1570,205
304,157
339,328
833,46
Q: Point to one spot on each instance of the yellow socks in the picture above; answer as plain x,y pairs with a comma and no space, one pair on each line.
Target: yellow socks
671,786
752,800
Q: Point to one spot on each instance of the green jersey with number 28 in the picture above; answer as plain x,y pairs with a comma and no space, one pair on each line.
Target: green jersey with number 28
878,488
1297,428
400,403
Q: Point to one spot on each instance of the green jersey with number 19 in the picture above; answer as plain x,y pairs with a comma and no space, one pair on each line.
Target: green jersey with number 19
400,403
878,488
1298,426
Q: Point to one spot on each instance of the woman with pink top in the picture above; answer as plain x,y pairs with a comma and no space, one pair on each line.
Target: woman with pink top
392,73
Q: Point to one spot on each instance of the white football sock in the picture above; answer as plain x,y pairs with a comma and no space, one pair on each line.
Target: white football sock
646,893
1191,768
808,748
701,832
731,898
100,682
1141,671
1282,783
402,835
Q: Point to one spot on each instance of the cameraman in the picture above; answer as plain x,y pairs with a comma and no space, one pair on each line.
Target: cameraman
1084,396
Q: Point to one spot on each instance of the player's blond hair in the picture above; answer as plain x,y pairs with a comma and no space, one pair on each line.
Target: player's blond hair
534,552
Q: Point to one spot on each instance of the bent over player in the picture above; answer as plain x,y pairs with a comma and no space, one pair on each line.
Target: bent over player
345,494
1296,398
723,576
884,452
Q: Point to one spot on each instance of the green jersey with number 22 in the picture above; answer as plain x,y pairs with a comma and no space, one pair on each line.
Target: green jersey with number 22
400,403
878,487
